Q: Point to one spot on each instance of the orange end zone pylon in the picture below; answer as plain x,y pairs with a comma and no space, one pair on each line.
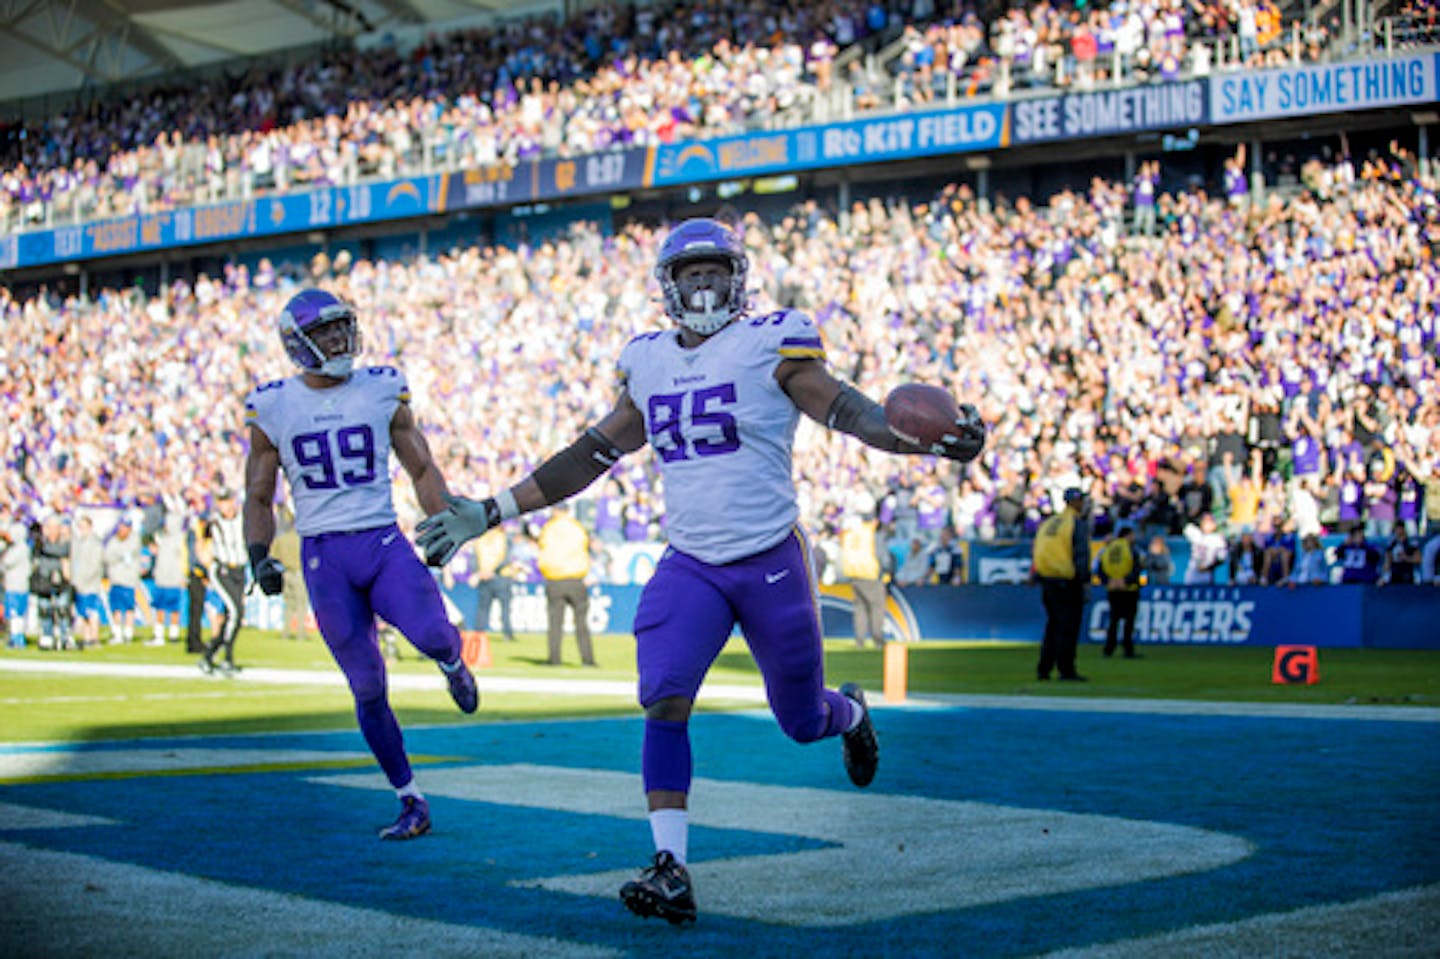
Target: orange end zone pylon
475,650
897,671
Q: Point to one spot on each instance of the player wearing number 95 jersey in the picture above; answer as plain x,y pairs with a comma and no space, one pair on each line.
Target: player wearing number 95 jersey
718,399
332,429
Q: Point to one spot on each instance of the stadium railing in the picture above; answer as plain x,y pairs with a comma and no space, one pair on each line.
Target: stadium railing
876,90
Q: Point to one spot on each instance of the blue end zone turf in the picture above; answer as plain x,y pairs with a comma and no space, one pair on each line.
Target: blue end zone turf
1335,810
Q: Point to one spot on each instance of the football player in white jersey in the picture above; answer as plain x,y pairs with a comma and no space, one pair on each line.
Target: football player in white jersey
718,400
332,429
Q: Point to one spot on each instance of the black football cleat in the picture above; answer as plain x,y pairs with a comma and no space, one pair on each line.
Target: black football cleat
862,749
414,820
462,687
662,890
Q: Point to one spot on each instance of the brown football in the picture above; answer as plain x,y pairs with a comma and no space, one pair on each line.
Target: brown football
921,413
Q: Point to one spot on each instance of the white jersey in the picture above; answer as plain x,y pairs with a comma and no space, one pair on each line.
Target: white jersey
169,549
334,446
16,562
723,431
87,564
122,560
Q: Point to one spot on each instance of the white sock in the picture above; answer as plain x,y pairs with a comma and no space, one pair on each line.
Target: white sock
409,789
857,713
671,831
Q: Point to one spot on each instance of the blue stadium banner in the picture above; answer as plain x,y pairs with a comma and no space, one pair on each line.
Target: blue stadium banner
1325,88
497,185
1239,615
928,133
1396,617
235,220
1100,113
590,174
551,178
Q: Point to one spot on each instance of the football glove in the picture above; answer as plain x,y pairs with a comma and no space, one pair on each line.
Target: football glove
269,575
441,534
968,439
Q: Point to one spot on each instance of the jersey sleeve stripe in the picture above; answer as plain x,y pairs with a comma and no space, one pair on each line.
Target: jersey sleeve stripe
802,353
800,341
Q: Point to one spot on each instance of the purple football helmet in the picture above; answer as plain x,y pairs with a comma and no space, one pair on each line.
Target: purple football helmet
306,324
701,310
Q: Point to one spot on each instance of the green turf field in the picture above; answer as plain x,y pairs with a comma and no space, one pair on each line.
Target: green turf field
52,706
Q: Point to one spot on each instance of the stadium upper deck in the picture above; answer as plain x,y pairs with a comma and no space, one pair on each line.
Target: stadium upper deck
610,78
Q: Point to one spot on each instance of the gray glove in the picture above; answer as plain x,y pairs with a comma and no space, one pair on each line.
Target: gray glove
441,535
968,439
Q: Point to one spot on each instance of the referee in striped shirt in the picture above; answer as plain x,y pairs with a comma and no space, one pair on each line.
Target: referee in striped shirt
226,536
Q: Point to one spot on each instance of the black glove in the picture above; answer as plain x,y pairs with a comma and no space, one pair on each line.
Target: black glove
268,571
270,575
968,439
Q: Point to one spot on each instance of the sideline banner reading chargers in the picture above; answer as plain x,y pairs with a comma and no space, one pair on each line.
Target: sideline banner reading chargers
1390,617
1399,617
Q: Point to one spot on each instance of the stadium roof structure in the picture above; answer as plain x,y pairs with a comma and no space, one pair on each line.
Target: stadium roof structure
61,48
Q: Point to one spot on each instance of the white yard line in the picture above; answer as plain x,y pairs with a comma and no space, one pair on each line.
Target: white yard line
1181,707
332,677
77,905
749,694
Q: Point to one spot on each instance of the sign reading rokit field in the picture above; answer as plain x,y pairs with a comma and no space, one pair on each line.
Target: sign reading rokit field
930,133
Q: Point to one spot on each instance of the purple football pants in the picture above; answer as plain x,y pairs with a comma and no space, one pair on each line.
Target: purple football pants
352,578
687,612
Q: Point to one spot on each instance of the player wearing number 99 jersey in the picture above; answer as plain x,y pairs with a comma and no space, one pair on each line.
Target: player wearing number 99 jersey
718,400
331,430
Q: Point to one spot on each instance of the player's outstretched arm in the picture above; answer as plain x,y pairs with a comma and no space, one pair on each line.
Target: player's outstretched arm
840,406
414,455
262,466
621,431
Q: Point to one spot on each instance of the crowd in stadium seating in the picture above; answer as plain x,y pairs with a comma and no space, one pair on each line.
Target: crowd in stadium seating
1272,365
613,75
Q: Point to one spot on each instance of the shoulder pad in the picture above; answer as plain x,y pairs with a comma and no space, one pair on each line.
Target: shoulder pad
796,336
266,387
258,395
388,378
637,342
643,337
